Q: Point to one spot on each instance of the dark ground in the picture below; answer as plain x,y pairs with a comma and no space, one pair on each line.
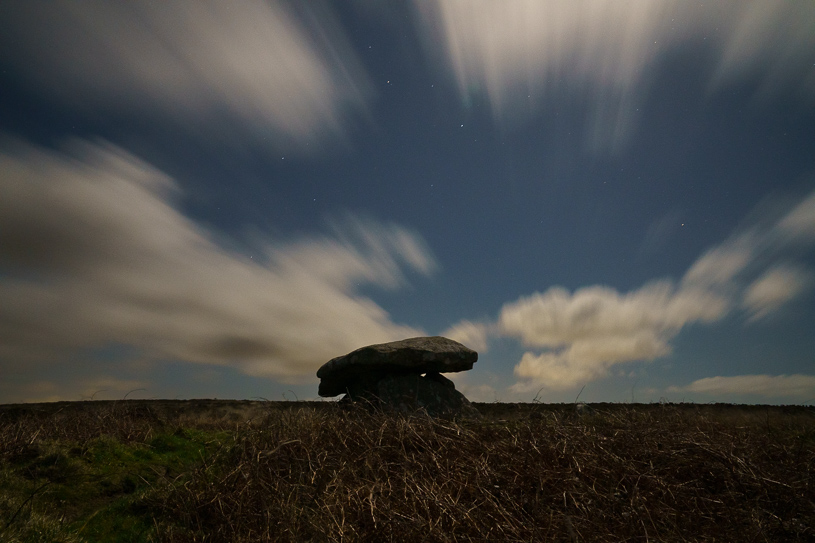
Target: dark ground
139,471
242,410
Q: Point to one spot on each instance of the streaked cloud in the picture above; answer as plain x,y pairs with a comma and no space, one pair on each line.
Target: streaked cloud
659,232
770,386
719,266
520,54
799,223
284,79
774,288
770,40
94,253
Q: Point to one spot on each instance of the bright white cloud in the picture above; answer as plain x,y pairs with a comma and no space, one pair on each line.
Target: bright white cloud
584,361
521,52
556,317
470,334
773,289
588,331
200,62
94,253
773,386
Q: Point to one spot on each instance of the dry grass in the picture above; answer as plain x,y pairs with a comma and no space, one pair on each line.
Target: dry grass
538,473
622,475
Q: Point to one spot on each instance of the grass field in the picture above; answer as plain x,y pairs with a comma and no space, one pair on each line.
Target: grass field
137,471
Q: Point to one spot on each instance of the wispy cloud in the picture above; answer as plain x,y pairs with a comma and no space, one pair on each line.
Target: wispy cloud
282,78
94,253
719,266
522,53
775,288
799,224
771,41
578,337
659,233
770,386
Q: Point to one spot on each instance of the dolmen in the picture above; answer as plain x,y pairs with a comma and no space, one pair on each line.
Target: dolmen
403,376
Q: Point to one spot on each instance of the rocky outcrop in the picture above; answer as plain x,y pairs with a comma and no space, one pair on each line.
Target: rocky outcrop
402,375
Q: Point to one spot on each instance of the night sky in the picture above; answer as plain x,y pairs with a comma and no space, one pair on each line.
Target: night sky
608,200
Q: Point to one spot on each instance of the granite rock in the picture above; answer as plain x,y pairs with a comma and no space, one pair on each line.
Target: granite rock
362,369
402,376
429,393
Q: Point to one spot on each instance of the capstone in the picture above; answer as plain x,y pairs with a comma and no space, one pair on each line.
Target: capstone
404,376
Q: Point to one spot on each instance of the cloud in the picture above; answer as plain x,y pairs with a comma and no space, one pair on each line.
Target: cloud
594,328
586,361
580,336
557,317
762,385
73,389
719,266
283,77
94,253
768,40
470,334
799,223
522,53
660,232
773,289
479,389
478,393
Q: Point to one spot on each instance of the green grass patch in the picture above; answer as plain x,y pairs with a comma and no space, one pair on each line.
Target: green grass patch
94,490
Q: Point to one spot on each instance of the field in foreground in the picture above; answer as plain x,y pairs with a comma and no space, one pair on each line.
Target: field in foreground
300,471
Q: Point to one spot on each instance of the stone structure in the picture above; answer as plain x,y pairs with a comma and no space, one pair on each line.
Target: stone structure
402,375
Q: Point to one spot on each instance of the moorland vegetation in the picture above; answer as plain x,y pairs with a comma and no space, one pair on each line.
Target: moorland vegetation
137,471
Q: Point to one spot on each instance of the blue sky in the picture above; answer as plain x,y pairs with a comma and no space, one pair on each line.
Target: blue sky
610,199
